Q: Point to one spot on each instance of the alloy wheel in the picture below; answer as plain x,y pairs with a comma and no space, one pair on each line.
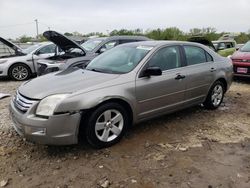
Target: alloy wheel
217,95
20,72
109,125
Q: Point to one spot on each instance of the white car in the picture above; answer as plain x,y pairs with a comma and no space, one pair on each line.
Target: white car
21,65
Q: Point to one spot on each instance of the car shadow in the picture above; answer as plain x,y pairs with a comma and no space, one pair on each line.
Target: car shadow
244,80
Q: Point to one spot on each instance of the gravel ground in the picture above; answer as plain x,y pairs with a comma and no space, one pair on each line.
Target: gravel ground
190,148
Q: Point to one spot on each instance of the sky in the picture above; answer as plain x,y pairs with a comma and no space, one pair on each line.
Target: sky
84,16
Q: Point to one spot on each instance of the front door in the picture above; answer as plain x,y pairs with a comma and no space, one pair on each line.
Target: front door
164,93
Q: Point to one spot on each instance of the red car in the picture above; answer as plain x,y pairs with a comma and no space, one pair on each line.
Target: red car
241,61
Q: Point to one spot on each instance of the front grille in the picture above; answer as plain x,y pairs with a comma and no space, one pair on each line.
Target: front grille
23,103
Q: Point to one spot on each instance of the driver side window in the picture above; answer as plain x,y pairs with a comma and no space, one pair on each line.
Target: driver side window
166,58
48,49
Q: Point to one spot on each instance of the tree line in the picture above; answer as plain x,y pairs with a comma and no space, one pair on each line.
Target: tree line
171,33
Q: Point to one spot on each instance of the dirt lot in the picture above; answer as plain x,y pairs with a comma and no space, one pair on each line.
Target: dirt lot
191,148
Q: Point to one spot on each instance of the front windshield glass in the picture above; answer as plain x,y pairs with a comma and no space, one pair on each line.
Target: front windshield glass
246,47
119,60
92,43
31,48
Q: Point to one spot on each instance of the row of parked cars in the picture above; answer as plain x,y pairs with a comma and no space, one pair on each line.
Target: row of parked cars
109,84
58,54
61,53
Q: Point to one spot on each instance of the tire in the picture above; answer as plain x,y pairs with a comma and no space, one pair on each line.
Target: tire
19,72
215,96
106,125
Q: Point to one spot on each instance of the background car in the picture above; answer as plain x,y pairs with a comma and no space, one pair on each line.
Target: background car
202,40
9,49
225,47
241,61
23,65
123,86
88,50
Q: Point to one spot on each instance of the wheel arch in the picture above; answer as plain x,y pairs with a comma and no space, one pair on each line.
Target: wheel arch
18,62
117,100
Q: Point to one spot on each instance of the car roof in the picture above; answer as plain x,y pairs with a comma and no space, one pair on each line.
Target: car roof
123,37
223,41
157,43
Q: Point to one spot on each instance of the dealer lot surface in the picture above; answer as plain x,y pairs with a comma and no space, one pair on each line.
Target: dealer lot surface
191,148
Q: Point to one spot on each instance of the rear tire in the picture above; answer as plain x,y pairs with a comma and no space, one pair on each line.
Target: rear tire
106,125
19,72
215,96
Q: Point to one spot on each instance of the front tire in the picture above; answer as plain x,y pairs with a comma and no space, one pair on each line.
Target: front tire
19,72
106,125
215,96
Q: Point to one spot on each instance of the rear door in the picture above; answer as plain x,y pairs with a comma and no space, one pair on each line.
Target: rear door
160,94
199,72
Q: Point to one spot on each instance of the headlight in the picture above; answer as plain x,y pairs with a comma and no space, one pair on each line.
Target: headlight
47,106
3,61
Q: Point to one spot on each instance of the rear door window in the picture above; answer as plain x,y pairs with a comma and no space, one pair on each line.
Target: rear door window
195,55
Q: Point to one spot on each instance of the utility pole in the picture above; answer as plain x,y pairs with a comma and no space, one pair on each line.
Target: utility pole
36,28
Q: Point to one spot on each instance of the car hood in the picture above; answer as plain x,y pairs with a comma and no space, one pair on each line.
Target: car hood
241,55
17,49
68,81
202,40
62,41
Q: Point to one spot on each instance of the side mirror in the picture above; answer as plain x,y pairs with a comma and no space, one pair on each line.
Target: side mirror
153,71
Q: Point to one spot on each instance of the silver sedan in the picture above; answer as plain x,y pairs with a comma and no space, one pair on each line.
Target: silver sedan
128,84
23,65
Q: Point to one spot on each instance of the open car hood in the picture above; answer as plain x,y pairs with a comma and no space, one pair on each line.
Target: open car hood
61,41
17,49
202,40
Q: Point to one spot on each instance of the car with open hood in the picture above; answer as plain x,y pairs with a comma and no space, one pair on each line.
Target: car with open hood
9,49
225,47
241,61
20,64
128,84
79,55
202,40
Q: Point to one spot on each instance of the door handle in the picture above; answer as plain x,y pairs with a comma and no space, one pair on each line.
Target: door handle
212,69
179,77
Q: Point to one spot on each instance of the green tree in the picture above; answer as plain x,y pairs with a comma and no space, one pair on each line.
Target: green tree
24,39
242,38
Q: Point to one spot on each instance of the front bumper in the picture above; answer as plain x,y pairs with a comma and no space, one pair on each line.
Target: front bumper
245,65
56,130
4,69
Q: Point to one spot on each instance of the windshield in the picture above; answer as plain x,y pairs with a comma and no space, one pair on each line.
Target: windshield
92,43
31,48
119,60
246,47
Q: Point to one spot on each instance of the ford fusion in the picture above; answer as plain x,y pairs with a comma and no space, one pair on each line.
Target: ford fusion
121,87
